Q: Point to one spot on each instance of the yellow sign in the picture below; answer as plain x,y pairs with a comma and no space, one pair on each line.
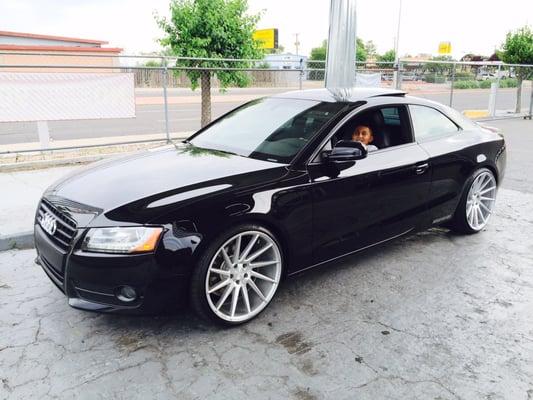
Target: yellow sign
445,48
267,38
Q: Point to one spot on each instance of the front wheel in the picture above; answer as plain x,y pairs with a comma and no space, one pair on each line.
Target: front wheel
477,203
237,276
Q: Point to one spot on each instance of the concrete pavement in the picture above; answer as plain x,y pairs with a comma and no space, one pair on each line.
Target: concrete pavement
433,316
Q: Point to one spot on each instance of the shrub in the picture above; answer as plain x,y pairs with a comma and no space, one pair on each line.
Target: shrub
471,84
464,76
433,78
486,83
509,83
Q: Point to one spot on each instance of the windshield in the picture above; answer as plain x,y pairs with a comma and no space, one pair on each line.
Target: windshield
268,129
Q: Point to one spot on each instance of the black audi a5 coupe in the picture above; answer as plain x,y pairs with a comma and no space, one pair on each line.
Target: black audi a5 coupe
277,186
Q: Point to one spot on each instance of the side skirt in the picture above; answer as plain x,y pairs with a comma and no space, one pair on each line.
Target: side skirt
352,252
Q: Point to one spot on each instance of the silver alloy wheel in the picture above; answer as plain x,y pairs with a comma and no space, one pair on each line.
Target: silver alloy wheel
243,276
480,200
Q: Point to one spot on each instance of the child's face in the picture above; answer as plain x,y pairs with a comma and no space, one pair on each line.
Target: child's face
363,134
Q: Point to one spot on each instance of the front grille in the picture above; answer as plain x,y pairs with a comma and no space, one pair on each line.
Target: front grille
56,276
65,226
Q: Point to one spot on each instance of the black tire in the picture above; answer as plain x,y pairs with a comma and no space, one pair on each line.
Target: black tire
198,295
459,222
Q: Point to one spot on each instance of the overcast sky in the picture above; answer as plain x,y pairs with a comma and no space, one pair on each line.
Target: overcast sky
470,25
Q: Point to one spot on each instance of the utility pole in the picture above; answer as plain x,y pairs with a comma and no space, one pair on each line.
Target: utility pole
397,73
296,43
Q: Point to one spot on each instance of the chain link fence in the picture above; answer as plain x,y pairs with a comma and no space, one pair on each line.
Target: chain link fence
166,107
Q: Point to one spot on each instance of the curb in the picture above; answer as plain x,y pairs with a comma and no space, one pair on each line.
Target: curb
39,164
20,241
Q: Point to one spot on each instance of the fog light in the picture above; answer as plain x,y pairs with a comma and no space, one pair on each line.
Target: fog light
126,294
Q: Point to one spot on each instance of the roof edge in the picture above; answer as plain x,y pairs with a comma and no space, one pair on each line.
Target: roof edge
13,47
50,37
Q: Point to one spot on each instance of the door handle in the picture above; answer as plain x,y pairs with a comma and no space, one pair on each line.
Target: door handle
421,168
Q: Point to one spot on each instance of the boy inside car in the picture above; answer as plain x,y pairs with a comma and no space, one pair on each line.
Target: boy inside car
363,134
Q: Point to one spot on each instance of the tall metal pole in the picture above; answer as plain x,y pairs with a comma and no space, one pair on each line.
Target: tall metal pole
397,41
340,59
396,49
296,43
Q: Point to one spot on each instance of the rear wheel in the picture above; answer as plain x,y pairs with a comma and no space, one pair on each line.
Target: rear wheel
237,276
477,203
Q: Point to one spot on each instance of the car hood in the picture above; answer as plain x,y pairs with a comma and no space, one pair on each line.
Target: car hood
155,180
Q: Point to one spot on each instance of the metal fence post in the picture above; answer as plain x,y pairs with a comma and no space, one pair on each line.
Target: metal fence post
452,83
300,75
530,103
165,96
399,75
498,78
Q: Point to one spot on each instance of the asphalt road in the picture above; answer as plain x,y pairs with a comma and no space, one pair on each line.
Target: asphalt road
185,117
431,316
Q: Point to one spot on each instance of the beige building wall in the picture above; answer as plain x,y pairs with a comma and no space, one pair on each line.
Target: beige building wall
71,58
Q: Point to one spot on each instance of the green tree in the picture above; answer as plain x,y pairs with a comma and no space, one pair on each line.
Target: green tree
389,57
360,51
319,54
218,29
518,49
371,50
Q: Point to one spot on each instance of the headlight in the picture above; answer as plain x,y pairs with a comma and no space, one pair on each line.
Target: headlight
122,240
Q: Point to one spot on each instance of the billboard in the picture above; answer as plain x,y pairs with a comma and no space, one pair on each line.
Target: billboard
267,38
445,48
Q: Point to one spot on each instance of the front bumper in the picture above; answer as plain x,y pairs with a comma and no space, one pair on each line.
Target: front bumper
92,281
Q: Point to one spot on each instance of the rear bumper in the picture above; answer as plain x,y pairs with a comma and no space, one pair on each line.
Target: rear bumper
92,281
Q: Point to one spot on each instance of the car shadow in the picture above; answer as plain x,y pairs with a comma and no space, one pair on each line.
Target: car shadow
183,321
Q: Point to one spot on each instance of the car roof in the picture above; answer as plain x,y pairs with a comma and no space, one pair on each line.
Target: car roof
345,95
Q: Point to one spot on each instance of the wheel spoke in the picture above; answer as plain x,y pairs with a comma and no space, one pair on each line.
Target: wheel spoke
219,286
487,198
477,184
256,290
224,296
481,215
226,257
259,252
249,247
235,299
476,221
246,299
485,182
263,264
469,210
485,207
237,249
263,277
220,271
487,190
471,217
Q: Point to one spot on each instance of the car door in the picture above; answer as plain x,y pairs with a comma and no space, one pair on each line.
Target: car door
447,146
375,199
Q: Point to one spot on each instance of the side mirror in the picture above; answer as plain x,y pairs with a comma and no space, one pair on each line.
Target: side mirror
345,150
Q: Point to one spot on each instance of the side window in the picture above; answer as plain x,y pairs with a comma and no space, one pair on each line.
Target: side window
378,128
389,126
429,123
